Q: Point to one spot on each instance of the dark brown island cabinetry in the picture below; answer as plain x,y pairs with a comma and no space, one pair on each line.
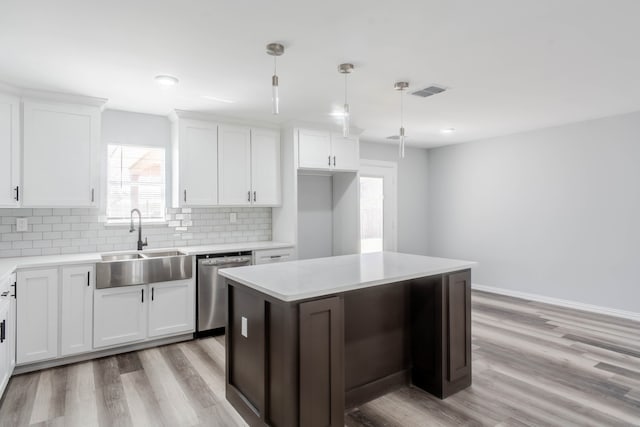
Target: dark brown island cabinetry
302,363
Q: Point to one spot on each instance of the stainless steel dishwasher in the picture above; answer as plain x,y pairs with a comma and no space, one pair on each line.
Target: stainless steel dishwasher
212,291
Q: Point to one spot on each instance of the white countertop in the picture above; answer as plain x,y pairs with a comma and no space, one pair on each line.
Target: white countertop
9,265
296,280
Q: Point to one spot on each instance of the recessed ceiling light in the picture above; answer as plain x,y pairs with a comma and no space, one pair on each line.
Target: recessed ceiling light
448,130
337,113
166,80
216,99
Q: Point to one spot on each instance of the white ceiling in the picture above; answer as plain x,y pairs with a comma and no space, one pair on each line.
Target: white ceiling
511,65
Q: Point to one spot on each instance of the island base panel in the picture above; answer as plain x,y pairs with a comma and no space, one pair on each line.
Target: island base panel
316,357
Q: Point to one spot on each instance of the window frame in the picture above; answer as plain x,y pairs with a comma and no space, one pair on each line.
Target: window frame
124,222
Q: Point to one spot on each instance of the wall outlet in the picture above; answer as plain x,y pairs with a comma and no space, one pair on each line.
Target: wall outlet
233,218
244,331
22,224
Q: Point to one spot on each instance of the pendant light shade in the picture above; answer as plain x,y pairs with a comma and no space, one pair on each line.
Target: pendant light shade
401,86
275,50
345,69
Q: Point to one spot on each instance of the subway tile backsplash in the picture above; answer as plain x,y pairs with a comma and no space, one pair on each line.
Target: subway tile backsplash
68,231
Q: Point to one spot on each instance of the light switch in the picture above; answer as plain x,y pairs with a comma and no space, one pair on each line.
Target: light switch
244,328
22,224
233,218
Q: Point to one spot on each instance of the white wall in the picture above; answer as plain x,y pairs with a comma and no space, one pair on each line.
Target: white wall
412,193
553,212
315,216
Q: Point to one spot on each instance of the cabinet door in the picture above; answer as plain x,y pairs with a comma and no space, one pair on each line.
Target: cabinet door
37,310
5,370
60,149
172,308
345,153
119,315
265,167
9,151
234,165
197,151
458,321
321,363
76,317
314,149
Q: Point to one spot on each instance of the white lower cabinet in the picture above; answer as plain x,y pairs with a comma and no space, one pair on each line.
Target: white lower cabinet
37,312
7,334
134,313
76,315
172,308
120,315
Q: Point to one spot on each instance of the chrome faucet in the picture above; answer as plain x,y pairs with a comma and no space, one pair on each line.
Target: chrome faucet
141,244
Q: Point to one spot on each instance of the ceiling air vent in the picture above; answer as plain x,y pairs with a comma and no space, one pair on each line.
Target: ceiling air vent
429,91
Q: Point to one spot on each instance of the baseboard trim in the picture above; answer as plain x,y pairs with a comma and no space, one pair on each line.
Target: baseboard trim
630,315
66,360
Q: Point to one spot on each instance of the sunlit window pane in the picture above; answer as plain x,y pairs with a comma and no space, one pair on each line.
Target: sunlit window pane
371,214
135,179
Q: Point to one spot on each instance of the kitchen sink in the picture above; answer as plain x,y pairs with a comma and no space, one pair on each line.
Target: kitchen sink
120,257
139,268
162,254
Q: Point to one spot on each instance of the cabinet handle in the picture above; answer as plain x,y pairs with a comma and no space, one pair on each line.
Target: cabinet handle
15,290
17,189
93,195
254,196
329,160
88,278
185,196
334,160
152,293
142,295
248,196
3,327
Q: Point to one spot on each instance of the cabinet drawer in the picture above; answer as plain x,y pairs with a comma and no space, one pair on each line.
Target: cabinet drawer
273,255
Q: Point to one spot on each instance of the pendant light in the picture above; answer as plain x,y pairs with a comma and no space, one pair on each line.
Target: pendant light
275,50
401,86
345,69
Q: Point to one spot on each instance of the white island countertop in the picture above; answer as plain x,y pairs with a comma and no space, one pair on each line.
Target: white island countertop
297,280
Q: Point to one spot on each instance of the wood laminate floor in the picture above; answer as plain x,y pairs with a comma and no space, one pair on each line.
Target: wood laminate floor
533,364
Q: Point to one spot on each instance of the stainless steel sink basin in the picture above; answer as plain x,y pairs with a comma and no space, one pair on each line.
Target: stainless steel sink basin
162,254
139,268
120,257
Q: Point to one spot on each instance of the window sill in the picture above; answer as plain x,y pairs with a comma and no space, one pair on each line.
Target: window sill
127,223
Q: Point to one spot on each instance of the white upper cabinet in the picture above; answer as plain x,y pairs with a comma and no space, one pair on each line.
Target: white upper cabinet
9,151
326,151
345,153
60,154
76,315
314,149
265,167
195,159
234,165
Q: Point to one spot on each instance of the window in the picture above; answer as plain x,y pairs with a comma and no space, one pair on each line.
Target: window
135,180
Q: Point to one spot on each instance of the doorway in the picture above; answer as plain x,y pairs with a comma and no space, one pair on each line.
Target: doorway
378,206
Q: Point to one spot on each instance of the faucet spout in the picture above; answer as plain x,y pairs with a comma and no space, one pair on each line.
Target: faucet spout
141,244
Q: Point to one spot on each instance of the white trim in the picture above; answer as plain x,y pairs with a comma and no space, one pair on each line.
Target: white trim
631,315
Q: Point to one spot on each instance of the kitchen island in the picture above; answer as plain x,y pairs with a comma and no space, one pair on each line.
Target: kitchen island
308,339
